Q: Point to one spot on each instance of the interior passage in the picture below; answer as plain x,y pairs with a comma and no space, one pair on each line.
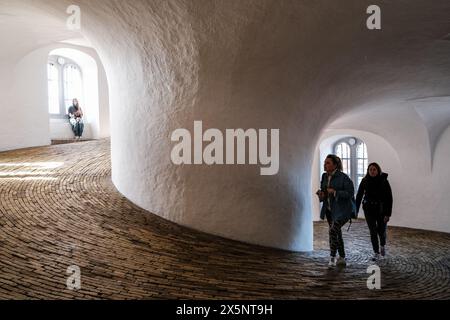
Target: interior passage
58,208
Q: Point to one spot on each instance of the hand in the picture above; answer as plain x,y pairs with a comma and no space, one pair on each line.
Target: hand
386,219
321,195
331,191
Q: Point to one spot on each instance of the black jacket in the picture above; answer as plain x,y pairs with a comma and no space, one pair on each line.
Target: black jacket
378,190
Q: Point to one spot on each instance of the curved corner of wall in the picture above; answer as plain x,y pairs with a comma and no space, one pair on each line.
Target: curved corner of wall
441,183
25,120
177,76
233,202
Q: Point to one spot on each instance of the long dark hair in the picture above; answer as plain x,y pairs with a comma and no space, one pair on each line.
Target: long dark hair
77,105
377,166
336,160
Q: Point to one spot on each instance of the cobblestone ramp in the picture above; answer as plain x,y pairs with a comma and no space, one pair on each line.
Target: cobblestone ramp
58,207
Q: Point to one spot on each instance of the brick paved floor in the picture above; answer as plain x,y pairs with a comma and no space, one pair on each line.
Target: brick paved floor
58,208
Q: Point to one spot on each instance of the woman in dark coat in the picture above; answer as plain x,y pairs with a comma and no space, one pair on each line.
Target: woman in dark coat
376,196
76,119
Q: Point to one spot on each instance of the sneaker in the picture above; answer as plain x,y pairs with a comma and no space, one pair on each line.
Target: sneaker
383,251
332,262
376,257
342,262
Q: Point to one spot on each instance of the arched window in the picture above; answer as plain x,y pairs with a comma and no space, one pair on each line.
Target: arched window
353,153
343,151
73,86
53,89
362,162
65,83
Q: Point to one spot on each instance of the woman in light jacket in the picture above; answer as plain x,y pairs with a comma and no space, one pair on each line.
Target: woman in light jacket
336,194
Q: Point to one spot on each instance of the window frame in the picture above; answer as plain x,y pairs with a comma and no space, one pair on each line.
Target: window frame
354,173
364,159
343,159
63,109
53,65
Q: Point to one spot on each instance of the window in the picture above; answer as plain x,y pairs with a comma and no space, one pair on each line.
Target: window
343,151
73,87
353,153
65,83
53,88
362,162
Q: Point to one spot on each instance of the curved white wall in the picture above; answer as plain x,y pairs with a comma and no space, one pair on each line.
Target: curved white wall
24,102
437,211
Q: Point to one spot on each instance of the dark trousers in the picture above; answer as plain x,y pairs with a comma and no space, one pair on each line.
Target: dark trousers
377,227
78,129
336,240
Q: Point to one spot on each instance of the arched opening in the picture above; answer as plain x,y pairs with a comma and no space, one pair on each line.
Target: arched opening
412,152
65,82
357,149
73,74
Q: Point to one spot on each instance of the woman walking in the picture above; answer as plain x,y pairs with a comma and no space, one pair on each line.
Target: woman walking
336,194
376,196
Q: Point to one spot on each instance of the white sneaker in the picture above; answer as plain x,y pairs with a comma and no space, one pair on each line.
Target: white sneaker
376,257
342,262
332,262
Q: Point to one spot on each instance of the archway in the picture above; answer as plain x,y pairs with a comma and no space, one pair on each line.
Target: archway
93,93
412,151
378,150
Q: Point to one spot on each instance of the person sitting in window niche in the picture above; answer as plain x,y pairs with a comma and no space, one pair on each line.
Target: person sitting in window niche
76,119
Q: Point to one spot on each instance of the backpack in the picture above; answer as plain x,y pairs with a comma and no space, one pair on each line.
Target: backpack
354,214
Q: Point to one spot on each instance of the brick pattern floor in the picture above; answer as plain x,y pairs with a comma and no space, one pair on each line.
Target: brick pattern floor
59,208
57,142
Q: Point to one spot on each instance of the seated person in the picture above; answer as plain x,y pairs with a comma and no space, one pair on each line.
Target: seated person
76,119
